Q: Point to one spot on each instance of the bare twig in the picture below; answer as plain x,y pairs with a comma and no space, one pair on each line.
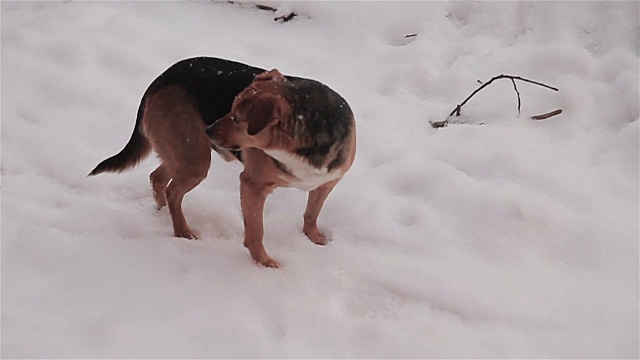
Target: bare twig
264,7
547,115
517,93
281,18
284,18
456,111
458,108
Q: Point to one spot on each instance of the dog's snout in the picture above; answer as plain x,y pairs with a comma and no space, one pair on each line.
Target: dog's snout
214,132
210,131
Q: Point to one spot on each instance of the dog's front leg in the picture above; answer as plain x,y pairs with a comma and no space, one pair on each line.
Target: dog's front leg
252,198
314,205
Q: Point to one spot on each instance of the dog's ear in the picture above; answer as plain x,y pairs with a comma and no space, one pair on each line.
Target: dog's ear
261,111
274,75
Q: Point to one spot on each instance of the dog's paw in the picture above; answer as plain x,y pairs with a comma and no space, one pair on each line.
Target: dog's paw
160,203
269,262
316,237
187,234
159,195
259,255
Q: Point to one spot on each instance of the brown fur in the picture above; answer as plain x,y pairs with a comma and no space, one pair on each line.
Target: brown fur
263,124
177,134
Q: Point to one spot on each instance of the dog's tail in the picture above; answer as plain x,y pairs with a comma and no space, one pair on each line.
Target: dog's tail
135,151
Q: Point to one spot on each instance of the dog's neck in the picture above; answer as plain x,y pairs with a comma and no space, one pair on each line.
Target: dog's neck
307,177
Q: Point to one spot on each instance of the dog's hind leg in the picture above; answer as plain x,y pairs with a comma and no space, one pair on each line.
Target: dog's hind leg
160,178
311,213
179,186
186,174
177,134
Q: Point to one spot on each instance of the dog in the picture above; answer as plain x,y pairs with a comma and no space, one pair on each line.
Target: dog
292,132
172,118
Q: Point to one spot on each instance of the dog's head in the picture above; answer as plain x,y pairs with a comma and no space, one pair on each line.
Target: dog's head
256,116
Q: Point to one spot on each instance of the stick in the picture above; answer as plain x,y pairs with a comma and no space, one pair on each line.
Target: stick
281,18
456,111
284,18
547,115
517,93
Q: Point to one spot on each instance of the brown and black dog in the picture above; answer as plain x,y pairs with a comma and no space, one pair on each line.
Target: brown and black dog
292,133
172,117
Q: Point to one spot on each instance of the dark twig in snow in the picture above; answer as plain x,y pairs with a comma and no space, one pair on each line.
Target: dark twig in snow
284,18
458,108
456,111
264,7
281,18
547,115
517,93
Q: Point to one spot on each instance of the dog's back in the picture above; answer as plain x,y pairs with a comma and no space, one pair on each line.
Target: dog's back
210,83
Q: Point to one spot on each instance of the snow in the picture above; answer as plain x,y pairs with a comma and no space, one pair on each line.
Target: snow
515,238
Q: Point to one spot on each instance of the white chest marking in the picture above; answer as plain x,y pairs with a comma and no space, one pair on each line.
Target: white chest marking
308,177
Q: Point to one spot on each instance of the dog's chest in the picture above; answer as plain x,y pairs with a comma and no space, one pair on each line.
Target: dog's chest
306,176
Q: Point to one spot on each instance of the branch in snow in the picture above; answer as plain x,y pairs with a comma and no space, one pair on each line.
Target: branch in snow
517,93
264,7
285,18
547,115
280,18
456,111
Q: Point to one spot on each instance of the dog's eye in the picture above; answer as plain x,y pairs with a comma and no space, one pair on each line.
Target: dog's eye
235,119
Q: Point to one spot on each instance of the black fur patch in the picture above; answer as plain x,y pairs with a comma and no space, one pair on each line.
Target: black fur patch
321,120
212,83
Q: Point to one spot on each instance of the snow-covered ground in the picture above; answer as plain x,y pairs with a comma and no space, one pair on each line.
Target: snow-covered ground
510,239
